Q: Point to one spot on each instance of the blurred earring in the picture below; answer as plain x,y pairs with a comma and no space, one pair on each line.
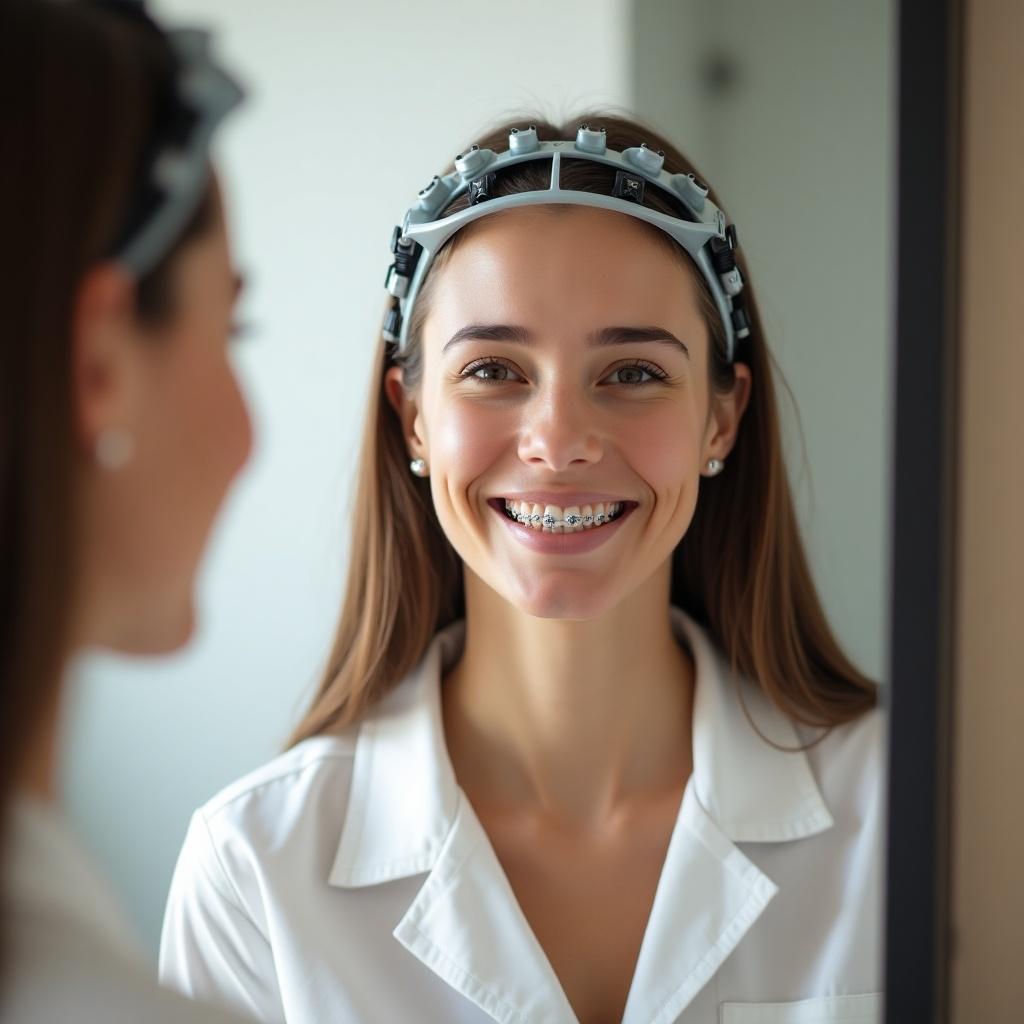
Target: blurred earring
715,466
419,467
114,448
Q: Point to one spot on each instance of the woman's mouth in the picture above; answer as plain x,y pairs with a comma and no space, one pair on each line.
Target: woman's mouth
561,519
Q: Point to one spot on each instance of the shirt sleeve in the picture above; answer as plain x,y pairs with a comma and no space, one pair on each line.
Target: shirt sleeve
210,947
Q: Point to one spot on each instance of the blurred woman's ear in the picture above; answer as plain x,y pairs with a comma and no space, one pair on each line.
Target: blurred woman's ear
104,332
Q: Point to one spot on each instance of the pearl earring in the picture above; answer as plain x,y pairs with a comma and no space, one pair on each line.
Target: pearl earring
114,448
419,467
715,466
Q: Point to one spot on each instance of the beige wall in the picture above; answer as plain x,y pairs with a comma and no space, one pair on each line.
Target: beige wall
988,868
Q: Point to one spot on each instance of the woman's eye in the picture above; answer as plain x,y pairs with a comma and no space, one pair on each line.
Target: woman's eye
495,371
498,372
635,372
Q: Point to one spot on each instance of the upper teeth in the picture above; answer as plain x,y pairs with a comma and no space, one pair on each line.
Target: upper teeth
571,518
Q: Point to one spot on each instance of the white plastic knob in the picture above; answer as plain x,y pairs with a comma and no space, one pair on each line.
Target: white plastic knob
591,140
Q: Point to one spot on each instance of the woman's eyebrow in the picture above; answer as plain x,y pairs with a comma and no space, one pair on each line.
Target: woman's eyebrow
627,335
596,339
489,332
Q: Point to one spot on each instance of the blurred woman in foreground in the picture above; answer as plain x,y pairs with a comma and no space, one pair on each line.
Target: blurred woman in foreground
121,429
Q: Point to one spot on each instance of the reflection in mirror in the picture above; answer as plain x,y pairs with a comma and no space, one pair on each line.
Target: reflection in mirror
525,778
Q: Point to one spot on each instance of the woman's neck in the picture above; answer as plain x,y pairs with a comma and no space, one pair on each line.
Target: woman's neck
574,718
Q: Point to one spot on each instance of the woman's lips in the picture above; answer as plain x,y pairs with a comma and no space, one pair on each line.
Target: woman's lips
563,499
560,543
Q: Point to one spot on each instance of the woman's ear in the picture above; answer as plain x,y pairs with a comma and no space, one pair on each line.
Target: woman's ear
104,339
726,412
408,411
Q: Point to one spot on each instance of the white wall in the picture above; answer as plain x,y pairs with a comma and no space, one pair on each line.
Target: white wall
353,109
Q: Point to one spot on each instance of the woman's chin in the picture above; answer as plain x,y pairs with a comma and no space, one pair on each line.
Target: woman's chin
180,638
562,602
168,634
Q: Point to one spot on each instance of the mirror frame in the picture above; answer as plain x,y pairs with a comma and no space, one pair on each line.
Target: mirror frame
923,511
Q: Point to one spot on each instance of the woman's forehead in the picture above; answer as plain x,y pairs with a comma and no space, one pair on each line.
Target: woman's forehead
586,265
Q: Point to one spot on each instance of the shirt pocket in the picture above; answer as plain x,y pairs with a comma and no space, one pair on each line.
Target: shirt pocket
858,1009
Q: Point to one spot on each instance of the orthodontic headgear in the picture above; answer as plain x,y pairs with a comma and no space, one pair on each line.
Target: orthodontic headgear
705,236
176,164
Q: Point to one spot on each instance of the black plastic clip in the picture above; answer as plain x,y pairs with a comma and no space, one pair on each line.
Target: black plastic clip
406,255
740,321
481,189
393,324
723,251
629,187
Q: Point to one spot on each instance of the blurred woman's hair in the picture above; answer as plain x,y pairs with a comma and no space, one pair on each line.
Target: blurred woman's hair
81,88
740,570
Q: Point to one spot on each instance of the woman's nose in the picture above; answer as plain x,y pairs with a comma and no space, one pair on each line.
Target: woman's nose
560,428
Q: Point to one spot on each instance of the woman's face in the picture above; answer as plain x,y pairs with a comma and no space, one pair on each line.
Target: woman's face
173,389
566,364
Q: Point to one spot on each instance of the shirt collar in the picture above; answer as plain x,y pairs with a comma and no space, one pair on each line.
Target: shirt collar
404,795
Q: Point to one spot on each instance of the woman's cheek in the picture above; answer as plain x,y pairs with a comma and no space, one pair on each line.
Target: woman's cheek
661,445
468,438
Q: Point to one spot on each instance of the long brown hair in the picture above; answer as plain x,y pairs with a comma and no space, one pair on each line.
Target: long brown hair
740,570
82,90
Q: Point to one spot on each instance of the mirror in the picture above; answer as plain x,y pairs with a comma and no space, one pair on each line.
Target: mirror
788,109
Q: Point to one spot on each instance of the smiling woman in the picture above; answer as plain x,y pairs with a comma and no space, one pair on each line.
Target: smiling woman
584,718
740,568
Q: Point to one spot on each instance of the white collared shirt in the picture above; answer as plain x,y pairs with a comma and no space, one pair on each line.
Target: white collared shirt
349,880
